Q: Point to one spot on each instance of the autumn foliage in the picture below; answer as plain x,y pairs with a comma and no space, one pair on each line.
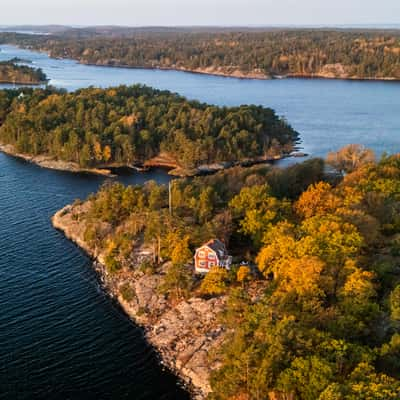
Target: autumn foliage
327,326
315,315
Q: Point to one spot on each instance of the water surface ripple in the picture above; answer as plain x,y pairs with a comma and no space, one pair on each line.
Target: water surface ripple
60,336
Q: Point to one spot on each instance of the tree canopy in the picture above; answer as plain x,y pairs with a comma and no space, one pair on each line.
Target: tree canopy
320,318
263,52
127,125
10,72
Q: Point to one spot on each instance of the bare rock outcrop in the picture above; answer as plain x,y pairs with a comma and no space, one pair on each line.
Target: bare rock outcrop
184,334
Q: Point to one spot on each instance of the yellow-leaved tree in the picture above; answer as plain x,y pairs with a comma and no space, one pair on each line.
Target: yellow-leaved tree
215,282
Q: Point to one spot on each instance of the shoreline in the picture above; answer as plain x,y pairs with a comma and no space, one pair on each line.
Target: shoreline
159,161
49,162
182,334
20,83
257,75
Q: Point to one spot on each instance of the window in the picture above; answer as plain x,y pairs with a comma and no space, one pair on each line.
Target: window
212,264
202,254
211,256
202,263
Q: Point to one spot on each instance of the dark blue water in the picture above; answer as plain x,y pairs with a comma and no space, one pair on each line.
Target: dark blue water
60,338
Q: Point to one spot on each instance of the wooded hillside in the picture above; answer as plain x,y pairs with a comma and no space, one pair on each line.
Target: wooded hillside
324,322
126,125
334,53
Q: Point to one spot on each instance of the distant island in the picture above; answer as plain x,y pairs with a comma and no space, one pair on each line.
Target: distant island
16,60
139,127
11,72
244,53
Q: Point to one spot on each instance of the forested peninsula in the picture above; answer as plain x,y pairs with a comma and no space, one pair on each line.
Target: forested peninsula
138,125
10,72
310,309
246,53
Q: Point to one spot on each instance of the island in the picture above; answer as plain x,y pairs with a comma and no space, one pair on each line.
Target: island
20,60
299,291
11,72
256,53
138,127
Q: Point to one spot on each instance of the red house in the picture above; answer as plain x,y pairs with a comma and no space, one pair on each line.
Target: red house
211,254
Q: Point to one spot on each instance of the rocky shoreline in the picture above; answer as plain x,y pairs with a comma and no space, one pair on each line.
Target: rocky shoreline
51,163
165,161
183,333
329,71
160,161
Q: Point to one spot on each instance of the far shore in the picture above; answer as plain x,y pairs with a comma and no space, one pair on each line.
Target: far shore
236,73
252,75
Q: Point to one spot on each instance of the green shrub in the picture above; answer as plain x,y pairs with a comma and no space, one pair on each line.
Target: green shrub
127,292
112,264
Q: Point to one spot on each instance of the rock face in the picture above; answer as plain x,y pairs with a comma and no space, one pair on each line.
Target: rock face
182,333
232,72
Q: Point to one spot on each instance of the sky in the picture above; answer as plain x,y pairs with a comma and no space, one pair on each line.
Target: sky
200,12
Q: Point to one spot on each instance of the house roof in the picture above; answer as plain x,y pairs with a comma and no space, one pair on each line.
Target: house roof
217,246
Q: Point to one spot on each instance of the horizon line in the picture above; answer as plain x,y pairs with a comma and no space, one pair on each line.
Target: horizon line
301,25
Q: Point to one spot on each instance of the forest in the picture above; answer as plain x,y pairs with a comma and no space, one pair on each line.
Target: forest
325,321
128,125
313,52
10,72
